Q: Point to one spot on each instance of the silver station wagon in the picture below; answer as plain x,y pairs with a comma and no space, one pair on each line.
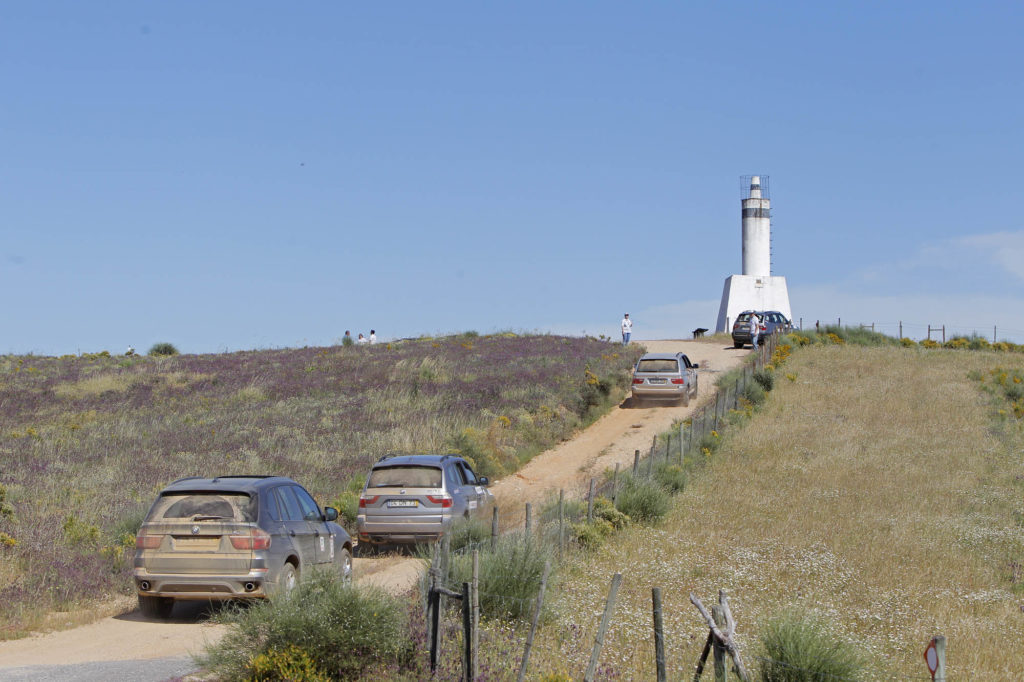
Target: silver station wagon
233,537
411,499
665,377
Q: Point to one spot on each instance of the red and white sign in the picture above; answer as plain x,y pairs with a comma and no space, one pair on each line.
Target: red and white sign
931,658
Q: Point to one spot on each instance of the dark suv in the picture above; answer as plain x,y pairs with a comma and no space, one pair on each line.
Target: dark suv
771,320
233,537
416,498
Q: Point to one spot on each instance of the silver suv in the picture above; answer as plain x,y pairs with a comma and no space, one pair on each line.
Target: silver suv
233,537
664,376
416,498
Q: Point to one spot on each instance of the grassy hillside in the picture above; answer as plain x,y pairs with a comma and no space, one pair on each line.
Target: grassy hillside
86,441
880,488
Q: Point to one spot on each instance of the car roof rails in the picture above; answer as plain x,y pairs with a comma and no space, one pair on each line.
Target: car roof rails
217,478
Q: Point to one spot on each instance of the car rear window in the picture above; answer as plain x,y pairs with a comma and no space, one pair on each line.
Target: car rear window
405,477
668,365
199,506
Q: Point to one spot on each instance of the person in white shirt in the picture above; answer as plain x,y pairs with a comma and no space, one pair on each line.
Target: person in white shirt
362,340
755,329
627,329
373,337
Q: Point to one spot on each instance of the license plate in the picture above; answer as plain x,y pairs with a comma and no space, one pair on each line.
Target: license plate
657,381
402,503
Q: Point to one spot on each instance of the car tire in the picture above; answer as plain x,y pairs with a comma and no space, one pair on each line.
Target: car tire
156,607
288,579
345,566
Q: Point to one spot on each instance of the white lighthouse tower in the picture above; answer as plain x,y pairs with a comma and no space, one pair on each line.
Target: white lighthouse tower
756,288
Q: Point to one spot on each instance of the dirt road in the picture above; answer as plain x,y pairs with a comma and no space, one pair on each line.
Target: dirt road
611,439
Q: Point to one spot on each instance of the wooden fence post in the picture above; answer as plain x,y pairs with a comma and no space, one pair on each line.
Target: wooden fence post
668,445
476,614
650,463
494,528
606,619
659,634
719,650
435,623
636,462
682,432
469,655
533,623
561,521
529,518
590,502
615,484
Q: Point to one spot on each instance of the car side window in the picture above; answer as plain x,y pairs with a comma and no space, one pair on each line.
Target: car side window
269,500
289,505
468,474
310,510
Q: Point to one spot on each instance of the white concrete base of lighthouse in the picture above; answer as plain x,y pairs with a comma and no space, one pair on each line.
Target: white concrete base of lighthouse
748,292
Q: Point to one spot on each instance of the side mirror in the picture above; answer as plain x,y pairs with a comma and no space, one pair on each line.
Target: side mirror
483,480
696,365
330,514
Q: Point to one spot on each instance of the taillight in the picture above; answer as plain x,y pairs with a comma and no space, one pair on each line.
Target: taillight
442,500
257,539
367,500
638,381
146,541
679,381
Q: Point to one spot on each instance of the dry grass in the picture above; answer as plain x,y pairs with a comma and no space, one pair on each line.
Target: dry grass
873,489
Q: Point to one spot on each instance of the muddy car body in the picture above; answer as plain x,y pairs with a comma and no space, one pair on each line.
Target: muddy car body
233,537
411,499
664,377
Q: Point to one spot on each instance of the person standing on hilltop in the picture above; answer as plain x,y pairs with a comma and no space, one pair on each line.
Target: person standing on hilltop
755,329
373,337
627,329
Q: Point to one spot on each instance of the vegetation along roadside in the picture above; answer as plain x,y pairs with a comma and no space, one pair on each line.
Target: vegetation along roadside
87,441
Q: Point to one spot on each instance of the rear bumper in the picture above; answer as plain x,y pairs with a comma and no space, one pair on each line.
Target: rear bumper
666,392
252,585
388,531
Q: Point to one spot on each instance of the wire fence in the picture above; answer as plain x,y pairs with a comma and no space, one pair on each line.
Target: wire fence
936,331
465,583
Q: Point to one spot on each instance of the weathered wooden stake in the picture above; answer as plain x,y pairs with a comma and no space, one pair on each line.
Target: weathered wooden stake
650,463
435,625
533,622
446,558
476,614
615,483
561,521
529,518
590,502
636,462
659,634
654,444
719,650
682,435
494,529
468,655
668,445
606,620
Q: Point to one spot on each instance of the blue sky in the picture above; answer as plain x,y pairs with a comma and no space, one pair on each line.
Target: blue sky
238,175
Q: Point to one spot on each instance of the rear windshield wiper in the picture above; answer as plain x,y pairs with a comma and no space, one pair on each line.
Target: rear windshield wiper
204,517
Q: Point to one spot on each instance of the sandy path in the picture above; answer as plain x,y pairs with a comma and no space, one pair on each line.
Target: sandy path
569,465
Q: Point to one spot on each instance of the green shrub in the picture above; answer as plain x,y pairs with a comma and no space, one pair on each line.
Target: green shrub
766,378
643,500
908,343
322,625
469,533
798,647
163,349
290,663
671,476
509,576
754,393
347,502
592,534
573,510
